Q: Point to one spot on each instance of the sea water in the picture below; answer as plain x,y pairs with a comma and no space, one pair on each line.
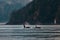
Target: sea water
18,32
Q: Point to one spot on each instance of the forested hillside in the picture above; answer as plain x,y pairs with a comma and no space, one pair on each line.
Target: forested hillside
37,12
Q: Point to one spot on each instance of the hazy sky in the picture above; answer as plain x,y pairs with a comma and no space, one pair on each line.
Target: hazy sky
24,2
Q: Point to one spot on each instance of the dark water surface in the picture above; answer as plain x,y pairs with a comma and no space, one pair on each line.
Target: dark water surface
8,32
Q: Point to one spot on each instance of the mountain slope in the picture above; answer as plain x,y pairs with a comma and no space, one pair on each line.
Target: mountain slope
36,12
